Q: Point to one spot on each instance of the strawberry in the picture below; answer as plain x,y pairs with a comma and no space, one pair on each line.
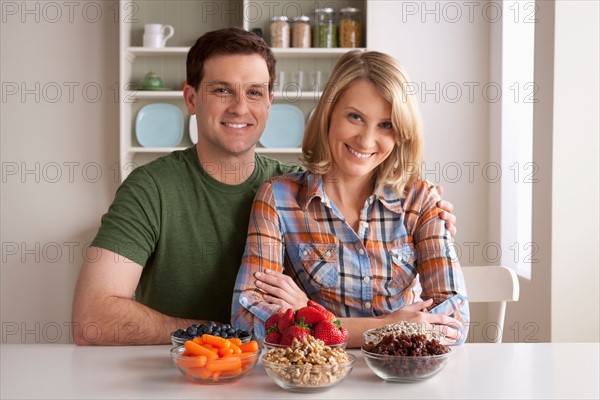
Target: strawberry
271,322
285,320
295,331
344,333
311,315
273,336
331,332
328,314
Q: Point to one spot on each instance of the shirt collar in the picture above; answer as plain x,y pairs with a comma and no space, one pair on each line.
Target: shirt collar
314,189
390,199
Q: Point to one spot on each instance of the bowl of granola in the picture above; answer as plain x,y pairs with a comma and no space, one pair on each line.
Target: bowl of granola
308,366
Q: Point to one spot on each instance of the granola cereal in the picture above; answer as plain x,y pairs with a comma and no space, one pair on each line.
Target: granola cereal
407,328
308,363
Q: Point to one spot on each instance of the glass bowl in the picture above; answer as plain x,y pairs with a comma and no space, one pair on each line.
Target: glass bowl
308,378
268,346
405,368
179,341
192,368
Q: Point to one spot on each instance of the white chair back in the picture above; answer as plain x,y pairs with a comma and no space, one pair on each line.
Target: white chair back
494,285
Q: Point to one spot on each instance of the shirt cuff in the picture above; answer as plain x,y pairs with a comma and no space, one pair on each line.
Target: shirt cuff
457,307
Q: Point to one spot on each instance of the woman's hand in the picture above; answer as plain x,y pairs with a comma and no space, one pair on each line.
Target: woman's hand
447,215
417,312
280,289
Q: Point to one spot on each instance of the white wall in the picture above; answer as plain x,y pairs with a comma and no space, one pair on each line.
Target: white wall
446,54
575,179
54,145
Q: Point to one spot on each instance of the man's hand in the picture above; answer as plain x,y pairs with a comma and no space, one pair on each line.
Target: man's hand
280,289
447,215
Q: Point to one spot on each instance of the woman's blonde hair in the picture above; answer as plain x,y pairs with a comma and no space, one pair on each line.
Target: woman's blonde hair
403,166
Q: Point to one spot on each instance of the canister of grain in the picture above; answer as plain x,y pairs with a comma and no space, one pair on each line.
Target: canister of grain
325,28
350,27
301,31
280,32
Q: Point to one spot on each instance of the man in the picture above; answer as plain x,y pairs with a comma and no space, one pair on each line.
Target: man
175,233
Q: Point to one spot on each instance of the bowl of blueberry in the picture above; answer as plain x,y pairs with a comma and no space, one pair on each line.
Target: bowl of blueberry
225,331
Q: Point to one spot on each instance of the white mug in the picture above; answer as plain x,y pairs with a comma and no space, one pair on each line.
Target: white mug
155,35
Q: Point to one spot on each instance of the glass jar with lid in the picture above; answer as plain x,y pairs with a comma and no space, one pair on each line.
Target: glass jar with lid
301,31
280,32
350,27
325,28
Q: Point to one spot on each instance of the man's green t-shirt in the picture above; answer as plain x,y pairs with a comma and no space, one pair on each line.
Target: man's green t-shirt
186,229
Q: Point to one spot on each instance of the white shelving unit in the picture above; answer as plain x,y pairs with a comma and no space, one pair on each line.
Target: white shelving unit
191,19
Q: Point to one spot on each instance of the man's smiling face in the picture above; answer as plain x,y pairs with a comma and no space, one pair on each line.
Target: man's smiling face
231,105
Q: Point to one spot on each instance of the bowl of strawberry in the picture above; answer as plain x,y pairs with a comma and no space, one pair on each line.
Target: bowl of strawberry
312,320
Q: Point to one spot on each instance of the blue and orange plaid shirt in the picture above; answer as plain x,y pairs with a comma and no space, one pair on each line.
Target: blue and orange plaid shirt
402,252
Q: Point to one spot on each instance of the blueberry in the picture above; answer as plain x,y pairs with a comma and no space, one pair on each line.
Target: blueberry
225,326
230,332
192,331
178,333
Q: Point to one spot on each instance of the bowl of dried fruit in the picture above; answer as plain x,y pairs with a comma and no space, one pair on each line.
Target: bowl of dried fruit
308,365
404,355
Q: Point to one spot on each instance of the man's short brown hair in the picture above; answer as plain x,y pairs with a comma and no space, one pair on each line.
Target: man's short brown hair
225,42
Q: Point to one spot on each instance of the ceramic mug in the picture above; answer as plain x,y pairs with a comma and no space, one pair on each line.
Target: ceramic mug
156,35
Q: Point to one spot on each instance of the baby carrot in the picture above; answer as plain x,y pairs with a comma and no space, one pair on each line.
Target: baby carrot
216,341
232,373
210,347
224,364
198,350
192,362
201,372
224,352
234,340
235,348
250,347
216,376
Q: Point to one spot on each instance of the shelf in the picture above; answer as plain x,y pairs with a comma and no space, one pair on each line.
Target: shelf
164,51
311,52
154,94
290,95
278,52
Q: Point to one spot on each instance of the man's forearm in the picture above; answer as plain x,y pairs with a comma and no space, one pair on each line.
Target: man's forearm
122,321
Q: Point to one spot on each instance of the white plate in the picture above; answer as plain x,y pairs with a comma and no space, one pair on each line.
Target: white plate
159,125
285,127
193,129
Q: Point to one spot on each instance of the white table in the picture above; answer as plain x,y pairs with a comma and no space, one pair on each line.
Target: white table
540,370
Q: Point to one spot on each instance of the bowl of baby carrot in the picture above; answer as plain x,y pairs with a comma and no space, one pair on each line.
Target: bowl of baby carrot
214,360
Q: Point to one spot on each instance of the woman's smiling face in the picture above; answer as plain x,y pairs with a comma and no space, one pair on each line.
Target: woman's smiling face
361,136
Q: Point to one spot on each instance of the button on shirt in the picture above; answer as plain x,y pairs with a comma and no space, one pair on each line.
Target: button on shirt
402,252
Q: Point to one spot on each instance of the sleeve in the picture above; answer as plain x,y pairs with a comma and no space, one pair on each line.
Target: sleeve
264,250
439,271
130,227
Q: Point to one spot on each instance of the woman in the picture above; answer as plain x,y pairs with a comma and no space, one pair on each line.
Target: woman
358,231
